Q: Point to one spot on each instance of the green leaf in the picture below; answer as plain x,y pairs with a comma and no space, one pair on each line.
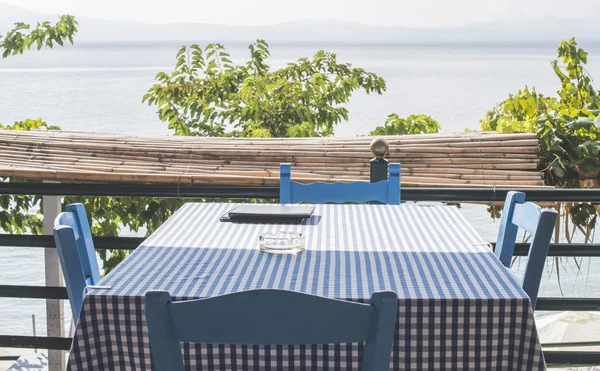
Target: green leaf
558,171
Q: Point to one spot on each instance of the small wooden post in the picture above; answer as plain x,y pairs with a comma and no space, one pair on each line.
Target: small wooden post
54,307
379,165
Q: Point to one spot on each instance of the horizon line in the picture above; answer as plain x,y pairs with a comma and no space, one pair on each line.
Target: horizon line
320,20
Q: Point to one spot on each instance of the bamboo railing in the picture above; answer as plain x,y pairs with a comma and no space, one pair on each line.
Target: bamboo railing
455,159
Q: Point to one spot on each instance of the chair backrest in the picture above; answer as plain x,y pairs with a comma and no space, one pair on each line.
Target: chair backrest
261,317
539,223
76,252
385,191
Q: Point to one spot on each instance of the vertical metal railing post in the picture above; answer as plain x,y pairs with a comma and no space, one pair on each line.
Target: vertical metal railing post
379,165
54,308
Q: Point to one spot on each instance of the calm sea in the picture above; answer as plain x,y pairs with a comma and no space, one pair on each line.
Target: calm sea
99,87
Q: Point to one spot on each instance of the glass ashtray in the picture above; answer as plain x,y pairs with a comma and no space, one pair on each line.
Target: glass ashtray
281,242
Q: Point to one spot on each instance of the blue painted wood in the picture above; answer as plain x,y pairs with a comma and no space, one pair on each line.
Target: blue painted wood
507,232
394,189
66,243
538,252
164,345
385,191
261,317
526,216
539,223
285,183
86,246
76,252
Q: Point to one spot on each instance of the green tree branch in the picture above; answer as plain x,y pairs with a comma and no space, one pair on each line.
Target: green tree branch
22,37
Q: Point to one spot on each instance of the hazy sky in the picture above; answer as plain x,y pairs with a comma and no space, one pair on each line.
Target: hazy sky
411,13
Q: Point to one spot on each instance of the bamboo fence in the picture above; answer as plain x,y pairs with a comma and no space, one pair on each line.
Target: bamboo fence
455,159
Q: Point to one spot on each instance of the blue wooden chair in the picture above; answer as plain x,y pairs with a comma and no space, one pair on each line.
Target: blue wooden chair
261,317
76,253
385,191
539,223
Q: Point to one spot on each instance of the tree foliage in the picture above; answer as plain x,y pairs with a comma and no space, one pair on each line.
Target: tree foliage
569,134
519,113
413,124
577,92
567,127
22,37
30,124
209,95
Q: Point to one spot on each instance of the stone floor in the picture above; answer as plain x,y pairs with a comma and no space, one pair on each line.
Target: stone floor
4,352
31,362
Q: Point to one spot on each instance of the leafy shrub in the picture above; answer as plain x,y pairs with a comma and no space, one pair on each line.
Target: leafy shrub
413,124
567,127
519,113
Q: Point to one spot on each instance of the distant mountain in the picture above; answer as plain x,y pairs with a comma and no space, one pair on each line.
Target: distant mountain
545,30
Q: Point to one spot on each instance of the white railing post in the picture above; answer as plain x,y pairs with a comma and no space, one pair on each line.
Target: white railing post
54,307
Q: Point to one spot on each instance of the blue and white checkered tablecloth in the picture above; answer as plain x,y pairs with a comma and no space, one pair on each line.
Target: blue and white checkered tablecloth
458,307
